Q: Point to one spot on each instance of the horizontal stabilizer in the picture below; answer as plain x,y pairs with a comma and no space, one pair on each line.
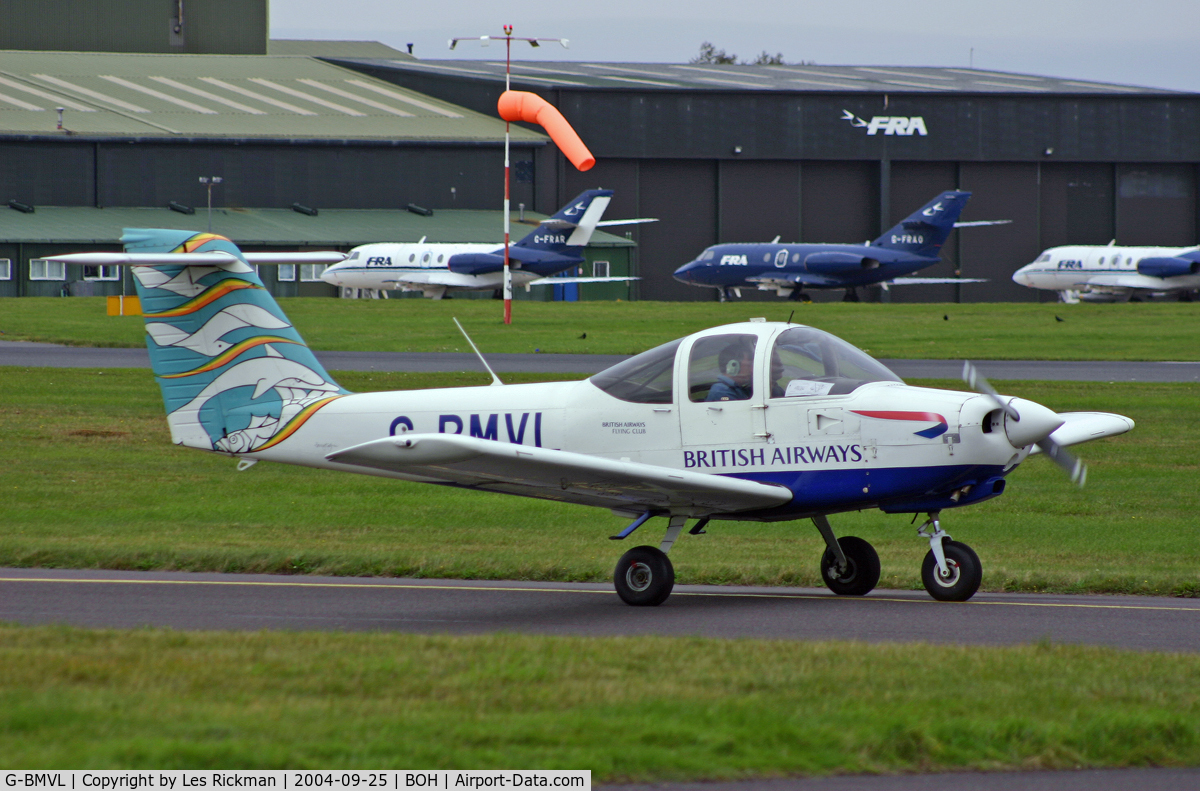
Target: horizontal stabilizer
214,258
602,223
977,223
560,475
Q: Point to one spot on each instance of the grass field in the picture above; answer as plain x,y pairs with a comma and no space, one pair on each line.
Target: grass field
91,480
645,708
1000,331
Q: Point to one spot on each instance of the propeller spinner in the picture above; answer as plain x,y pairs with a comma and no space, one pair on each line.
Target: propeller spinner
1034,427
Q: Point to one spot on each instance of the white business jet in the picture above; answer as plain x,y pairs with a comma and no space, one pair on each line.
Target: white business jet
1110,273
436,268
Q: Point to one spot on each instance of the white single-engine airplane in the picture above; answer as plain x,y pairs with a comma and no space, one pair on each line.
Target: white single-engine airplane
435,268
1110,273
761,421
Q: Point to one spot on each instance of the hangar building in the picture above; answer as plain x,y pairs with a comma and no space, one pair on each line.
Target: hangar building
727,153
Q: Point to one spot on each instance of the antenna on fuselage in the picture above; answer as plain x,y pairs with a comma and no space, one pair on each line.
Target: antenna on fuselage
495,379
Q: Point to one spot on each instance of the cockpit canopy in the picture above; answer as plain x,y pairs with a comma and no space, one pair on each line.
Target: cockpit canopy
803,361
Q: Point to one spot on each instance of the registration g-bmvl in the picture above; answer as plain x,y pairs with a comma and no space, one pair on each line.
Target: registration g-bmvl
755,421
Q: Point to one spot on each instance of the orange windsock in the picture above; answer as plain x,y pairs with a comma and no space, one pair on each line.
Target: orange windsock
533,109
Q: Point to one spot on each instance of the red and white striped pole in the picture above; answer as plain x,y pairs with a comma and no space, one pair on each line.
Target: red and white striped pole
507,195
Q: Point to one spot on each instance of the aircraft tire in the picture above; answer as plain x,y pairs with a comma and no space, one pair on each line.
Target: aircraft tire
644,577
863,574
966,572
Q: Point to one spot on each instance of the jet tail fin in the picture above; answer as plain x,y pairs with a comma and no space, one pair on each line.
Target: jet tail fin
573,224
235,375
924,231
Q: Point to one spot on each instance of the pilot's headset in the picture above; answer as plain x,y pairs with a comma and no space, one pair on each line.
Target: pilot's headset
733,368
730,362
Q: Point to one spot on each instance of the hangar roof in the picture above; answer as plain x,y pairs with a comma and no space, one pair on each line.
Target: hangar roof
107,95
709,77
282,227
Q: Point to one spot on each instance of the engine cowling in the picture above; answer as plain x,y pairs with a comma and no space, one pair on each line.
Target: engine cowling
839,262
476,263
1168,266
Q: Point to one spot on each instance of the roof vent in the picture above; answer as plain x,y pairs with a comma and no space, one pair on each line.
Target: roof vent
179,207
421,210
310,211
24,208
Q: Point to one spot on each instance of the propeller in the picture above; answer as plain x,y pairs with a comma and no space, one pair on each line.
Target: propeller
1040,423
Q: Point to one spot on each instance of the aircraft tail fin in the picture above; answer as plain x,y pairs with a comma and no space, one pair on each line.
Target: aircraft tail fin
572,226
924,231
235,375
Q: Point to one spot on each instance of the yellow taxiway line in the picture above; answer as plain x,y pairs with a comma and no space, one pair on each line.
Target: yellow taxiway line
499,588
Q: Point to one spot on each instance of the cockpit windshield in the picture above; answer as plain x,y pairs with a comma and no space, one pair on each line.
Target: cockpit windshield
806,362
645,379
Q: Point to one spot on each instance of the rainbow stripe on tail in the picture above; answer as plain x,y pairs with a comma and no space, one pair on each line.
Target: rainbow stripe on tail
235,375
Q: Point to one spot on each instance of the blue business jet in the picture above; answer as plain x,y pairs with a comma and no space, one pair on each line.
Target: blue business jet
788,269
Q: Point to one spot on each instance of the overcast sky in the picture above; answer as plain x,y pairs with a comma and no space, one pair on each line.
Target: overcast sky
1134,42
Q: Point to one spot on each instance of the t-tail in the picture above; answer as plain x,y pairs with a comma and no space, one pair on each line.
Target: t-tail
572,226
235,375
924,231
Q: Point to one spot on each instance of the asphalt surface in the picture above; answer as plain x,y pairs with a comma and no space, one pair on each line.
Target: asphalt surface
54,356
126,599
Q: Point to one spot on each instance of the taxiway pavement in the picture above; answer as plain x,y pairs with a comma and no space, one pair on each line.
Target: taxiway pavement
126,599
55,356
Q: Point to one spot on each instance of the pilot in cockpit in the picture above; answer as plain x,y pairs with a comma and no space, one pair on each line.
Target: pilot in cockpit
735,382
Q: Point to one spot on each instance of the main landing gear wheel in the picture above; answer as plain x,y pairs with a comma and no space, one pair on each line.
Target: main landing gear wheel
644,577
966,572
862,574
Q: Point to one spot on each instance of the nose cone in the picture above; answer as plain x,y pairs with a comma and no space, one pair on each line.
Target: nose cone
332,275
1022,276
687,272
1037,422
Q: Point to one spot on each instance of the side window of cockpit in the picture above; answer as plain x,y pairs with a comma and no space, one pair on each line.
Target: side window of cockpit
644,379
708,255
721,368
808,362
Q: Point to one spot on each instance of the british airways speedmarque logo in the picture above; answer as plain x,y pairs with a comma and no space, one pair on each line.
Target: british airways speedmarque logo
923,417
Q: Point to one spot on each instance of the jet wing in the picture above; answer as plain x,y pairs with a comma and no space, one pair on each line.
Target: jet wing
1084,426
925,281
558,281
1134,280
560,475
793,279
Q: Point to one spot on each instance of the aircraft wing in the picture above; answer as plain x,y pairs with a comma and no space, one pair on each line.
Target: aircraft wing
925,281
794,279
558,281
199,259
560,475
1084,426
1135,280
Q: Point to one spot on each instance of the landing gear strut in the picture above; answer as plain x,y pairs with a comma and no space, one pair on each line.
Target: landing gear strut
850,565
644,576
951,570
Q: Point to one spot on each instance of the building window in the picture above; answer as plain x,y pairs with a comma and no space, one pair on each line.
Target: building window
311,273
287,273
103,272
599,269
5,269
41,269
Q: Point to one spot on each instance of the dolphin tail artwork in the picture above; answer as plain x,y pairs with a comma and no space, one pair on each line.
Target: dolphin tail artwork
236,377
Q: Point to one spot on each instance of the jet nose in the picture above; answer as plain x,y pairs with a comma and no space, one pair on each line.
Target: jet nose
1022,277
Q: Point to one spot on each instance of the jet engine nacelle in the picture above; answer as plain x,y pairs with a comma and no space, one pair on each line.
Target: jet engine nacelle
1168,267
839,262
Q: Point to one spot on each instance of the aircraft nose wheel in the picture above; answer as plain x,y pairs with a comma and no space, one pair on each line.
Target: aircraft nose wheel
644,577
861,574
964,573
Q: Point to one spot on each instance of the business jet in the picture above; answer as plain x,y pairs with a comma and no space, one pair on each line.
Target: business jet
438,268
1111,273
759,421
788,269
